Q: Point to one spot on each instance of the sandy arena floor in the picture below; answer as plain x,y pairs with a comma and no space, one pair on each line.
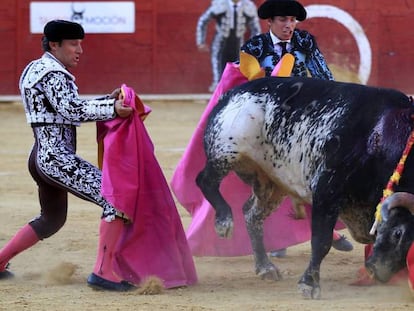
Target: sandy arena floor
52,274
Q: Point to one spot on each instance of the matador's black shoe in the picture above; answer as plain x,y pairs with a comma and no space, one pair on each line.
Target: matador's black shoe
342,244
6,274
98,283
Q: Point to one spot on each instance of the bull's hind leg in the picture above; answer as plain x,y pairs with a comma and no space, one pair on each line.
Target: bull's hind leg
208,180
256,209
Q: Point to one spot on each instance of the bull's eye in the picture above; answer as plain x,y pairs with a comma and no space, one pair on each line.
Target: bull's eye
397,234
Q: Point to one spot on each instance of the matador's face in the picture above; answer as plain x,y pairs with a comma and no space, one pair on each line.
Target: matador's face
283,26
67,52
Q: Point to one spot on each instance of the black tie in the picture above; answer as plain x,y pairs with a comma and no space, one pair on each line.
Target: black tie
234,26
283,45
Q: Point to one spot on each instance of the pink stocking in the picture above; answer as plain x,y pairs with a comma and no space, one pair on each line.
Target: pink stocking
109,233
23,239
336,235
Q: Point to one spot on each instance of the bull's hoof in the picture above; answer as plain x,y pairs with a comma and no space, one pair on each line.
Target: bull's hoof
224,228
309,292
271,273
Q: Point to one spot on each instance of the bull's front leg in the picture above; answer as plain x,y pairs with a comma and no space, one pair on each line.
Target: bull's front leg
321,242
208,180
254,222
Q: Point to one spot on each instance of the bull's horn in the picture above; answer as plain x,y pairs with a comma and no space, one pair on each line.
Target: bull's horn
401,199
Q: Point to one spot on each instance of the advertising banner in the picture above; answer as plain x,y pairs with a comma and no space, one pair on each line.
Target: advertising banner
94,16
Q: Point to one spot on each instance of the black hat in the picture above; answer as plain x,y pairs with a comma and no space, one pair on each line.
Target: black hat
58,30
271,8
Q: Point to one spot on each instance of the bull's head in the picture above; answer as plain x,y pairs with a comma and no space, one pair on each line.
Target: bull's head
394,237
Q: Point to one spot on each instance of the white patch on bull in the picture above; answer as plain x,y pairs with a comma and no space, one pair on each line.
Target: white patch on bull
243,118
242,129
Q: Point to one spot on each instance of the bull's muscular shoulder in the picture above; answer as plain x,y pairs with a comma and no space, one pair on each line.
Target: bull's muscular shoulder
393,124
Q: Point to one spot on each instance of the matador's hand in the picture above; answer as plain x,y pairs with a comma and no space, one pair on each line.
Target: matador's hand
121,110
115,93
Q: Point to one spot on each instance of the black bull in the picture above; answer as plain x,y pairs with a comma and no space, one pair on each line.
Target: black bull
333,145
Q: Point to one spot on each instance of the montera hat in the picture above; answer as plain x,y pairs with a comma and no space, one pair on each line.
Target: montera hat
58,30
271,8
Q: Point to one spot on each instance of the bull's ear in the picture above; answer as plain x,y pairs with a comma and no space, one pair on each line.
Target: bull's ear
385,212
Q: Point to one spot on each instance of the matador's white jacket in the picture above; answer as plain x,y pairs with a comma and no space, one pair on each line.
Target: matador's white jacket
54,110
232,21
50,95
222,11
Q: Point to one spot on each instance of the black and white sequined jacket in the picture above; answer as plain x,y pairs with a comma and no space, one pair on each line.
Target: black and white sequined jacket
50,96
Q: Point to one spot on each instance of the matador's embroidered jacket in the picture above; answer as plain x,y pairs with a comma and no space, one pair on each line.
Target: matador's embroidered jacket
53,109
308,57
222,12
232,23
50,95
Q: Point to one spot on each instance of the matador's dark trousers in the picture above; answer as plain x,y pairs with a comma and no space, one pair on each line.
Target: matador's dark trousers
57,170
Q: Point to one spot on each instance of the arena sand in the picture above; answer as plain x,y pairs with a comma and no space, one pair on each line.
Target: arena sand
52,275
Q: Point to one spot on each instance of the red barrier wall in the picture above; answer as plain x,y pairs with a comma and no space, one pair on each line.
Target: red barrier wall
161,56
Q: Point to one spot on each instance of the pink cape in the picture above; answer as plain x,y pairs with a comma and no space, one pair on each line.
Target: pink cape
280,228
132,181
410,267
